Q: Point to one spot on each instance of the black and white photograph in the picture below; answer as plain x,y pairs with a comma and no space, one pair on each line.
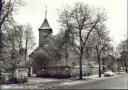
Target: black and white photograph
63,44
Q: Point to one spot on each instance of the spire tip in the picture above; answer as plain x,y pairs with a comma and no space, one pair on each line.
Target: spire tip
45,11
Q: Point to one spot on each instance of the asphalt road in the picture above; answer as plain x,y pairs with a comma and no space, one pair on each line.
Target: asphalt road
116,82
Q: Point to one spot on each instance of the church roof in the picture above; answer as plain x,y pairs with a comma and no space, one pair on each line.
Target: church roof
44,50
45,25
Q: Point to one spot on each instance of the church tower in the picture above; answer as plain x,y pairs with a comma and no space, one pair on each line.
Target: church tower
45,31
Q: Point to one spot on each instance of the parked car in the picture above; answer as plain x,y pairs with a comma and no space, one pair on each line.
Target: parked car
108,73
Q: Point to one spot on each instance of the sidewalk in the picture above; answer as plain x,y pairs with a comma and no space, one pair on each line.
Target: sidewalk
49,83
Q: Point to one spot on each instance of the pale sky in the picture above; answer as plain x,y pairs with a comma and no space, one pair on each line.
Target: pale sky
34,13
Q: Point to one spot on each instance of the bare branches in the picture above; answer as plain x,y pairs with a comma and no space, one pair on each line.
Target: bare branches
7,9
79,22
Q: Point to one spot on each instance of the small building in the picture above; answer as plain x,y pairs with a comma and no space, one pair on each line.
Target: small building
45,58
16,74
21,71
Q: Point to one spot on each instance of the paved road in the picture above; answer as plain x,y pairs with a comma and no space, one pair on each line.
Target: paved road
117,82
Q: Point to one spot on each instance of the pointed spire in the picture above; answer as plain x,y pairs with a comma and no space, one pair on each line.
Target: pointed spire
45,25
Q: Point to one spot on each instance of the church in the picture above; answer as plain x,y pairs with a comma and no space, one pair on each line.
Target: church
46,57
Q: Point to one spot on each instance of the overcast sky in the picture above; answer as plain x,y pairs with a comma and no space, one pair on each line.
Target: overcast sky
34,12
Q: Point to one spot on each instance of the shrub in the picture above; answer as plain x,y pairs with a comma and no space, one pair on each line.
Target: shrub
108,74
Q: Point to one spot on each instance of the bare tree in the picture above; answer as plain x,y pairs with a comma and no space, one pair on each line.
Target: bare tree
29,42
101,43
123,51
63,43
11,55
7,7
22,37
80,21
29,39
15,45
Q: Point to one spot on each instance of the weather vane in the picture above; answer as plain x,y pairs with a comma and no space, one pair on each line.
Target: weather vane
45,11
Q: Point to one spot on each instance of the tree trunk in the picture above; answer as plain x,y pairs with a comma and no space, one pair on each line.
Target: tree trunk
26,48
126,64
80,74
99,66
103,66
66,54
1,42
80,65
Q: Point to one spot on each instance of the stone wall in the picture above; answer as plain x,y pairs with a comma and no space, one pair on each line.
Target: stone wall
55,72
66,71
87,70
